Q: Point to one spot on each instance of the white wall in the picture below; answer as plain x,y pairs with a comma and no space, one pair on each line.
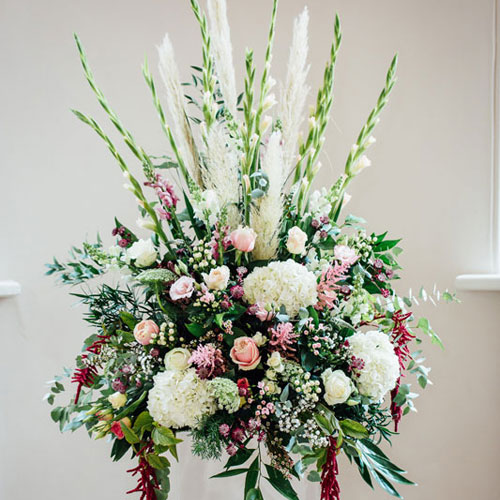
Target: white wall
430,183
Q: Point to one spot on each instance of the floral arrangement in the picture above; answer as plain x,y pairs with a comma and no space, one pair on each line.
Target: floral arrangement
250,314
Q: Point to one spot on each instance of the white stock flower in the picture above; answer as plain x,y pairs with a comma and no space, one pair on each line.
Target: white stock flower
338,386
380,369
180,399
287,284
217,278
177,359
143,252
207,207
319,204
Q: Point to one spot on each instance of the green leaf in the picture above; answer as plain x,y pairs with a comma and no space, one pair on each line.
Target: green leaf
120,447
164,437
156,461
383,246
253,494
354,429
195,329
314,476
128,319
252,475
242,455
280,483
129,434
386,485
143,422
229,473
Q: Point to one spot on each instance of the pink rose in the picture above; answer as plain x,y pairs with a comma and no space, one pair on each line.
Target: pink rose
182,288
345,254
245,353
243,239
143,331
262,313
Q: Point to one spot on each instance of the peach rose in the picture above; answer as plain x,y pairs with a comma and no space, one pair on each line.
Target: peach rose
143,331
245,353
182,288
243,239
297,239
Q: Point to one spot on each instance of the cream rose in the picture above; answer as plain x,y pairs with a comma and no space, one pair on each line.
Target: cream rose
217,278
182,288
275,362
143,253
338,386
297,239
245,353
117,400
259,339
144,331
177,359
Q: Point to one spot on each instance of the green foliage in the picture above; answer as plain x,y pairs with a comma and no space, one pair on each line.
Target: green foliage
206,440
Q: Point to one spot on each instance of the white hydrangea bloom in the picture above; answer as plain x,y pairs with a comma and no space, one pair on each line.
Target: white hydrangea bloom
287,284
381,365
180,398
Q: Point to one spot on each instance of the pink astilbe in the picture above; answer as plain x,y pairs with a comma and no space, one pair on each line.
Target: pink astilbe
209,361
328,284
283,337
165,192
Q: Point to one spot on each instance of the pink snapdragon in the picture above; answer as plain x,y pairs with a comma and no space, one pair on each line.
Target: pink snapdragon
166,194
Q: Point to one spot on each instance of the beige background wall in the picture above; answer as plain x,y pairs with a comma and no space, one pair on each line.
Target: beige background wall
430,184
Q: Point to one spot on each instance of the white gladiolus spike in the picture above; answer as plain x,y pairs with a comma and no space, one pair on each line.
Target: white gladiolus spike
266,216
220,36
175,103
295,89
221,172
362,163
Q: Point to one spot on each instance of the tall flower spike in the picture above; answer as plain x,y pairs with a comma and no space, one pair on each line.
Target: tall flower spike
175,103
220,36
295,89
221,172
266,215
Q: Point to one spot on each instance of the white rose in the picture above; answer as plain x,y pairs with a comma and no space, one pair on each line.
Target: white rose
177,359
345,254
143,252
117,400
296,243
217,279
338,386
259,339
275,362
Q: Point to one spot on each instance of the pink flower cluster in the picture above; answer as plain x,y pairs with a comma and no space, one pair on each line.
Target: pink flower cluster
283,337
165,192
209,361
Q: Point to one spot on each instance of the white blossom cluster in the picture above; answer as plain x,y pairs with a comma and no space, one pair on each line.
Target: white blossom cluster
381,365
286,283
179,398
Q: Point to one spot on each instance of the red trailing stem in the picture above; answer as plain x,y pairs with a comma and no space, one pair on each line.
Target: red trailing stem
330,489
147,482
85,377
401,337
